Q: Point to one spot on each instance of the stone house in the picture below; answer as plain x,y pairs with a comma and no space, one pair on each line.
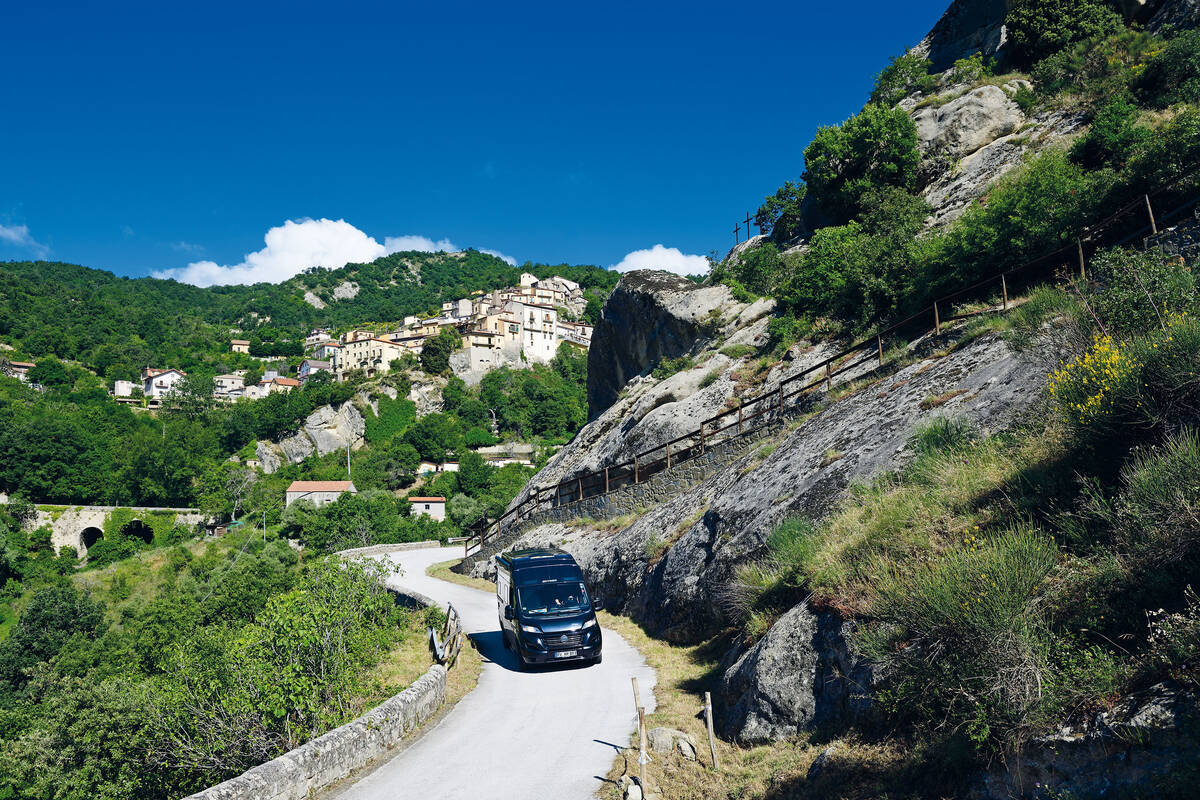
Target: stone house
319,493
434,507
240,346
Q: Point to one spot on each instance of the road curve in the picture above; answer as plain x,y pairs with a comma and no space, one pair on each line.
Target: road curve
550,733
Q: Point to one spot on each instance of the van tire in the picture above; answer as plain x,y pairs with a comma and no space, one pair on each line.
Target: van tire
598,659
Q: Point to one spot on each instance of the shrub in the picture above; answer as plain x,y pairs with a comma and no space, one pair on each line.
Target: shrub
971,69
1113,138
905,74
877,147
1097,69
1174,641
964,637
669,366
1137,290
758,270
1039,28
1089,389
1173,75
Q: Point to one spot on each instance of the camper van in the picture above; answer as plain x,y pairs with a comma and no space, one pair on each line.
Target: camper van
546,613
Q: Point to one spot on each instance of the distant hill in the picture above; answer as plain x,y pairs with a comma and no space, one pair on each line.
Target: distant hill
115,326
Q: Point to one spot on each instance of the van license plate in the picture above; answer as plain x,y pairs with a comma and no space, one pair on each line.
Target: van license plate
566,653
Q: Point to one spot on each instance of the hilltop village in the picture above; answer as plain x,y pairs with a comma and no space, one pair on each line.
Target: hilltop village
511,326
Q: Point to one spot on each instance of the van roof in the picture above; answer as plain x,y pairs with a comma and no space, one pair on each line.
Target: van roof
539,556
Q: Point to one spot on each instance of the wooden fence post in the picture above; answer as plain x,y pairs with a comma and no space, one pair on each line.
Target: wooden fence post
879,341
701,436
668,455
781,397
606,489
1004,291
739,416
1082,267
1150,211
580,487
636,479
712,740
937,320
828,377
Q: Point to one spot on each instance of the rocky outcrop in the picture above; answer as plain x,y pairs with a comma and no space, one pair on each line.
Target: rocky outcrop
346,290
800,676
1177,14
967,27
974,119
313,300
669,567
324,431
650,315
1125,752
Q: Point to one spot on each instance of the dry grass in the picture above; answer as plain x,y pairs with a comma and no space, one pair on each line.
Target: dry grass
773,771
608,525
443,571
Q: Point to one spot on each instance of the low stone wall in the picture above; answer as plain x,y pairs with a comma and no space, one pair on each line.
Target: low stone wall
1182,240
628,499
329,758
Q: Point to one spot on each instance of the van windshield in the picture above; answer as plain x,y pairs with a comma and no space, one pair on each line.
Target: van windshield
552,598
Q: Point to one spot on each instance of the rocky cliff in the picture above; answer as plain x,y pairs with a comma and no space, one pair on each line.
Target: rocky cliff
324,431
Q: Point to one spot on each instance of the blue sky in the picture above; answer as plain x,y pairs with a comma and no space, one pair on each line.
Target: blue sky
142,138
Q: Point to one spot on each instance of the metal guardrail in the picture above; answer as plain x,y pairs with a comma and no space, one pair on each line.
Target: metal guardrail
754,413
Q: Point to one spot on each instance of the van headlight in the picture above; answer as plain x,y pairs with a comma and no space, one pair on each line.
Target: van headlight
531,629
591,623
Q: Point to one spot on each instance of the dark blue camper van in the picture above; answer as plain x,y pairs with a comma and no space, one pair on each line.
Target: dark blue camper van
546,612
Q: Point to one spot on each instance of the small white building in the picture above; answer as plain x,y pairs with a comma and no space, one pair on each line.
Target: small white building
124,388
326,351
310,367
240,345
158,383
319,493
229,384
434,507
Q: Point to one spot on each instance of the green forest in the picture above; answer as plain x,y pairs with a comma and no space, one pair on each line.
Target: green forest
115,326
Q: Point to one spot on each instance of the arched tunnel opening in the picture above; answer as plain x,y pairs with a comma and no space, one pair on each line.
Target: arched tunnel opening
90,536
139,530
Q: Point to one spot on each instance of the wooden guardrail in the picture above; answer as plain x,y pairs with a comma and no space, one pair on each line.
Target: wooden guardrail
447,646
754,413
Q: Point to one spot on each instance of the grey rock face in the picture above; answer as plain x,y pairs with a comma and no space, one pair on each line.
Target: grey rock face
967,123
331,430
1178,14
651,315
967,27
313,300
1147,735
703,530
668,740
268,456
801,675
324,430
346,290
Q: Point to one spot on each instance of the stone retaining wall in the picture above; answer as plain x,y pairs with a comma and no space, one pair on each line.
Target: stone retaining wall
329,758
1181,240
632,498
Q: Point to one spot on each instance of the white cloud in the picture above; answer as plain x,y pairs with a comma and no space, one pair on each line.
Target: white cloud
422,244
292,247
19,236
512,262
668,258
297,245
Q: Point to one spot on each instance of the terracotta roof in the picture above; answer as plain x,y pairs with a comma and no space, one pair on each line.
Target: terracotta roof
239,341
25,364
426,499
286,381
322,486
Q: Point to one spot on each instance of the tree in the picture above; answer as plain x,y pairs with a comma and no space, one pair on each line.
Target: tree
1039,28
780,214
474,474
54,615
877,147
905,74
435,352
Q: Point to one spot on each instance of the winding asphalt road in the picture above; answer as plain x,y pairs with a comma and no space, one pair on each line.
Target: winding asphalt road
552,733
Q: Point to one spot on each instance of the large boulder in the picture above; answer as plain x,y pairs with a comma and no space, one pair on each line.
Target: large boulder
800,676
967,123
331,429
1177,14
651,315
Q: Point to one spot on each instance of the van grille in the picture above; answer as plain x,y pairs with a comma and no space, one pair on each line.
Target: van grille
555,641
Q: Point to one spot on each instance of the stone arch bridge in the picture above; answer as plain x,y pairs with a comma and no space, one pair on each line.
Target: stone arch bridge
82,526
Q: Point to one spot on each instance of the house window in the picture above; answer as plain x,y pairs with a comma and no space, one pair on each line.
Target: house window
427,506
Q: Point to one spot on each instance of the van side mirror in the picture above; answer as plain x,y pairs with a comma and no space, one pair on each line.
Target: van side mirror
598,603
508,613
